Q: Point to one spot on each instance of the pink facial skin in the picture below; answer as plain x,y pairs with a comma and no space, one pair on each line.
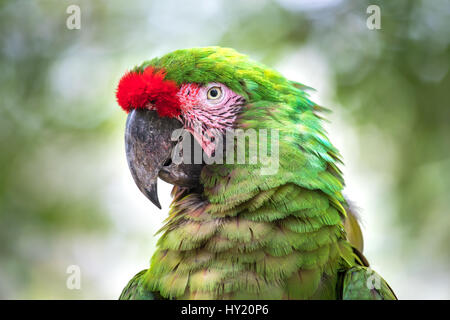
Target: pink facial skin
206,117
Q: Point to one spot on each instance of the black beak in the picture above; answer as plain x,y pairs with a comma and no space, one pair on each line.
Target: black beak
149,152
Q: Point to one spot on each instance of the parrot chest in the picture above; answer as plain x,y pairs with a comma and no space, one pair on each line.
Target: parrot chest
207,255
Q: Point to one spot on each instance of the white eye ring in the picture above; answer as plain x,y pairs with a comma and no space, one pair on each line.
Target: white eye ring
214,93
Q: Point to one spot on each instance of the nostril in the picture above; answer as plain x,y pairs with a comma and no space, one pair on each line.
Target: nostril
168,162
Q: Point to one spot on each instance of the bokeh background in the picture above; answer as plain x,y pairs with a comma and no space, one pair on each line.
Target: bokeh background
66,195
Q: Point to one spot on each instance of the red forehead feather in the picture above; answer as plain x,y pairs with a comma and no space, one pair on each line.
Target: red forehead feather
141,90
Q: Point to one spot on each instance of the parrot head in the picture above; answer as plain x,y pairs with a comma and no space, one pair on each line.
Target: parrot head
204,91
203,109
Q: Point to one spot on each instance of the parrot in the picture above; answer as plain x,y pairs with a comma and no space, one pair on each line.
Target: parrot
270,228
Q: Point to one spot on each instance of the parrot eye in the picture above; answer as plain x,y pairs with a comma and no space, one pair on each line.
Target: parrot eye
214,93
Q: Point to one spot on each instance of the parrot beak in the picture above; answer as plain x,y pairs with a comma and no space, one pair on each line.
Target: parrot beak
149,149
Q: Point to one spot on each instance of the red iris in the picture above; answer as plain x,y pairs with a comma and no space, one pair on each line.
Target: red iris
148,89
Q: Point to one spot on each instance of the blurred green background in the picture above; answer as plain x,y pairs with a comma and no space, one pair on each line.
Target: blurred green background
67,198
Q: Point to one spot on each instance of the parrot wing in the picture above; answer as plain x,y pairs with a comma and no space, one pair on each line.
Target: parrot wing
135,289
362,283
352,227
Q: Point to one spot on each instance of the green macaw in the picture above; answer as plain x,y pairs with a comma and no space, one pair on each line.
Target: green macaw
236,229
